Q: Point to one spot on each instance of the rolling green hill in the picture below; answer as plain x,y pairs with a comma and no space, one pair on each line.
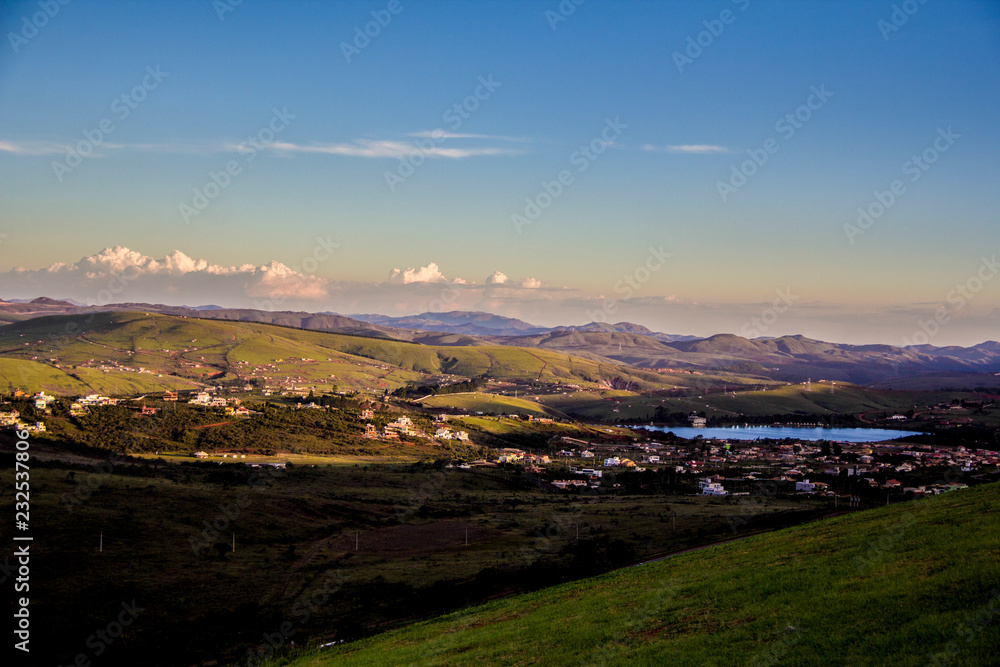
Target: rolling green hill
163,351
490,403
788,358
791,358
814,399
914,584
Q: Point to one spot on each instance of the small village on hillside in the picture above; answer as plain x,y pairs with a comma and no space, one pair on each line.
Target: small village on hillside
601,458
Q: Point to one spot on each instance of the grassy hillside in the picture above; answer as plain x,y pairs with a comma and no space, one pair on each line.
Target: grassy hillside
490,403
788,358
394,536
817,398
939,381
27,373
914,584
118,344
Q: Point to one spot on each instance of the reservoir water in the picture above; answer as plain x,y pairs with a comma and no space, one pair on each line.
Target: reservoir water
797,432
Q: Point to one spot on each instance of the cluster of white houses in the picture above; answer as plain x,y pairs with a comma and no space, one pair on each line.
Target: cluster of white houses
806,467
698,456
80,406
12,420
715,486
231,404
403,426
519,456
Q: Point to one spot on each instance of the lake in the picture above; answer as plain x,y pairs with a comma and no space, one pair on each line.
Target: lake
811,433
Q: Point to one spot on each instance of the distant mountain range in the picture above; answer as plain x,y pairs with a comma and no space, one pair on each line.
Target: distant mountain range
473,323
457,321
787,358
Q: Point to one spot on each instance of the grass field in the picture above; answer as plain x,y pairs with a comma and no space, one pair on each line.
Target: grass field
396,535
914,584
490,404
26,373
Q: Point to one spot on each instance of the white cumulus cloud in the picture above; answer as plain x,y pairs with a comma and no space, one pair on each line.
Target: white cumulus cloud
497,278
119,274
425,274
277,279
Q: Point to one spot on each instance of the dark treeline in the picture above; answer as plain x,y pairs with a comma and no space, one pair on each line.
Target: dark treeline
662,417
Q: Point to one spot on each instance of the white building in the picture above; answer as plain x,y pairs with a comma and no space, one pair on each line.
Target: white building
42,401
709,487
94,399
713,489
201,398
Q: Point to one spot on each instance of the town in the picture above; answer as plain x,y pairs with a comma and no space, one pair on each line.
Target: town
570,457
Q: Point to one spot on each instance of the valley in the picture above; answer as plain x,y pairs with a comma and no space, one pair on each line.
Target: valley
324,487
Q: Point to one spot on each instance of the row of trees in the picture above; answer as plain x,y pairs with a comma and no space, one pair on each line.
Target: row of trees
666,418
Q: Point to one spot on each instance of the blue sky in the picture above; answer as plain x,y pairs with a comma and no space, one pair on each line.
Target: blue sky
554,87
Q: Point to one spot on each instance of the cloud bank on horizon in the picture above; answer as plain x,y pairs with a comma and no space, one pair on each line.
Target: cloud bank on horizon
122,275
119,274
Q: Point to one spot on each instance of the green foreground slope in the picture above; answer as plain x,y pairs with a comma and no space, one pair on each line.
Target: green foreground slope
913,584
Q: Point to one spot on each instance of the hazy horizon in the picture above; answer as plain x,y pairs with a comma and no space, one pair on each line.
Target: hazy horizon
274,288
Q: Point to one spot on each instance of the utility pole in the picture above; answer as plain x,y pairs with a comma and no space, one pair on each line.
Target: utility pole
356,538
234,542
466,537
101,548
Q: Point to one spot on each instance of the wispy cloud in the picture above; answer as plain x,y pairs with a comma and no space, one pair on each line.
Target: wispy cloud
369,148
32,147
687,149
42,148
365,148
173,147
444,134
